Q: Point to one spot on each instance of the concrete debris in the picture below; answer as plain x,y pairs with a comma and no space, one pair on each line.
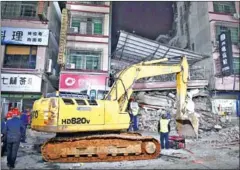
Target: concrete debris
229,134
156,103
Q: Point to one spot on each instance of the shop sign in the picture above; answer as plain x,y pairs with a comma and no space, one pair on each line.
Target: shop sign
225,50
20,82
70,82
24,36
63,37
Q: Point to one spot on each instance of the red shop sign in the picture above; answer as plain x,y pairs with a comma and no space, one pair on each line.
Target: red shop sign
71,82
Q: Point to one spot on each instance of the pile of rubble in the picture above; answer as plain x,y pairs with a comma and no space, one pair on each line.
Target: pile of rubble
153,104
230,134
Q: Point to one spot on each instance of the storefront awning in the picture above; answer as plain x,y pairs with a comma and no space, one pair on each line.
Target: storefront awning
21,96
133,48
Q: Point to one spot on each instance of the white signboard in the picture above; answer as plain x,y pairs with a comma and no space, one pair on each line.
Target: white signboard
21,82
27,36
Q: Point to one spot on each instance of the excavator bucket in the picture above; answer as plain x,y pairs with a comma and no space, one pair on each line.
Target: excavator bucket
188,127
187,120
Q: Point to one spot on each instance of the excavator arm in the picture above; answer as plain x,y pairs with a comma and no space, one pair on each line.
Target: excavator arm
121,89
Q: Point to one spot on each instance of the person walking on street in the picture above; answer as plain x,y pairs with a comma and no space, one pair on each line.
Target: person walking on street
3,139
13,132
164,129
24,119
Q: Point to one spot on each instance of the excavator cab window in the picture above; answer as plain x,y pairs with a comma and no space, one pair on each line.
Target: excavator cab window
92,102
81,102
68,101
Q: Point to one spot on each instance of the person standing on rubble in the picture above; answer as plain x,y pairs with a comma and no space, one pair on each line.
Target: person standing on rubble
164,129
134,109
13,132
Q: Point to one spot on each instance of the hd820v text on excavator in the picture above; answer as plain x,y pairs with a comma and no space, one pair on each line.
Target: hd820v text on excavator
96,130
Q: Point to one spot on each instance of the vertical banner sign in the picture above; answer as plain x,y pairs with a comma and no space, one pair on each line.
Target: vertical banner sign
63,37
225,50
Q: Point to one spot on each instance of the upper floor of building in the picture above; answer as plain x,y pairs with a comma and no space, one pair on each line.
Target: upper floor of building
30,36
32,14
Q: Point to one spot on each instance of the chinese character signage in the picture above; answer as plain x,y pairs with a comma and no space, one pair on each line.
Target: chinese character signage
24,36
21,82
225,50
63,37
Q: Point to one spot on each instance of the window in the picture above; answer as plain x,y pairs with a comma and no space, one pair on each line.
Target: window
19,9
92,102
20,57
224,7
68,101
234,33
91,26
81,102
89,60
236,65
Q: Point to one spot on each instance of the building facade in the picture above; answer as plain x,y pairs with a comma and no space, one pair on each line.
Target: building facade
84,53
198,26
29,48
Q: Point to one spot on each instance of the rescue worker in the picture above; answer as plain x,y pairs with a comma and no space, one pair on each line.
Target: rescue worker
12,132
3,141
164,129
134,109
29,116
9,114
24,119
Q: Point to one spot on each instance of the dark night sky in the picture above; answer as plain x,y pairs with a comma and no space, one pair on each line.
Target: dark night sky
147,19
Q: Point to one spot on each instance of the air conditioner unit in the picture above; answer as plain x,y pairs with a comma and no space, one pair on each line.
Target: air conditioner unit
49,66
236,16
70,66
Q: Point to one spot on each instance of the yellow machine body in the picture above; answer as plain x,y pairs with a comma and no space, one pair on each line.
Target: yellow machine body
80,116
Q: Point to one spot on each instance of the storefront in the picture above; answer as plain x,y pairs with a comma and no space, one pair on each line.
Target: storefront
19,90
229,101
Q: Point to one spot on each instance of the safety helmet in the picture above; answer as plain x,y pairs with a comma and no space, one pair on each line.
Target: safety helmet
164,116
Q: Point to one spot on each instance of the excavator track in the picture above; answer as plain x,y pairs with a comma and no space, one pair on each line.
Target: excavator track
101,148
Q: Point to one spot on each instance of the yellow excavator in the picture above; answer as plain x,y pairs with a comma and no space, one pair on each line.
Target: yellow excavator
97,130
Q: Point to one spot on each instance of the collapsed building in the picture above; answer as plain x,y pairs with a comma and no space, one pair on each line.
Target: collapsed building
157,95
